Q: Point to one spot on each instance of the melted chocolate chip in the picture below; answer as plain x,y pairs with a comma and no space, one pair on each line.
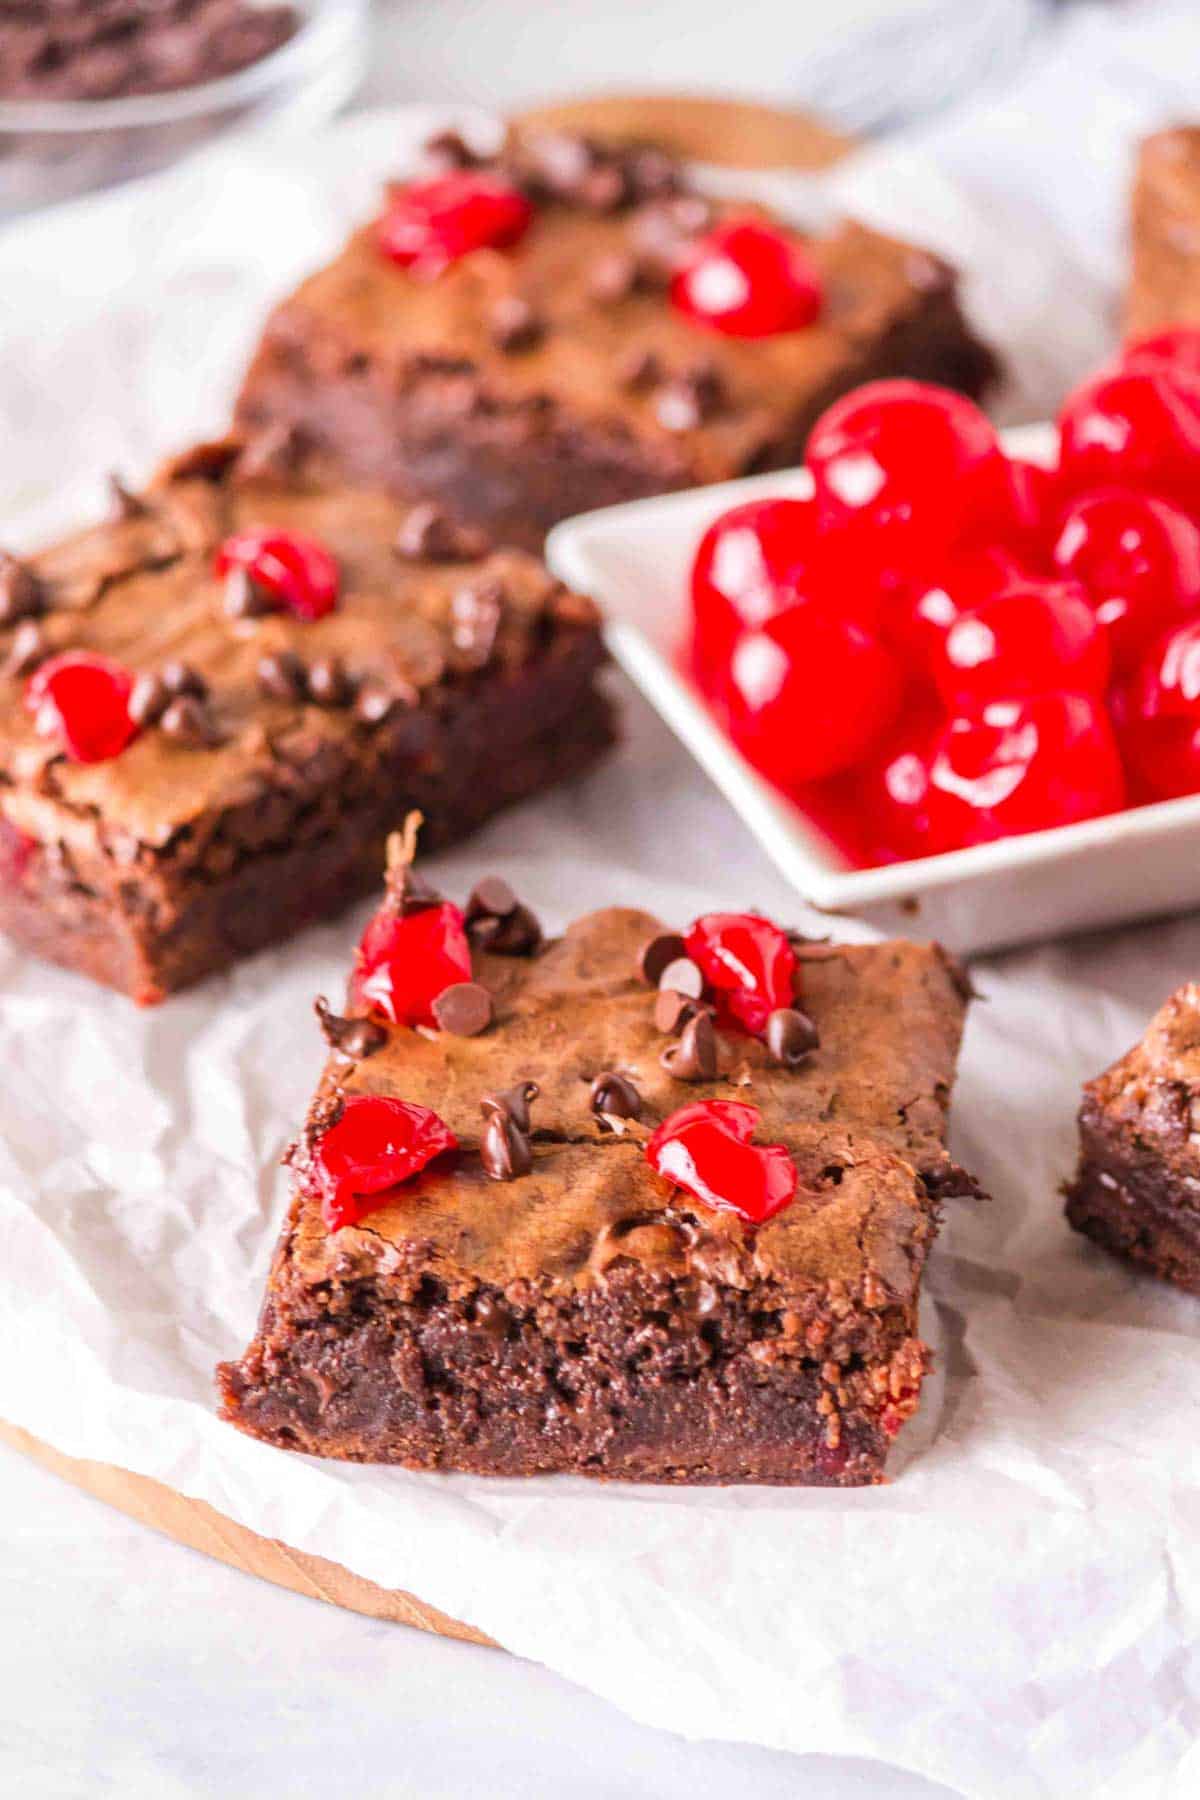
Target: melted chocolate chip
657,953
616,1095
515,1101
464,1009
22,595
244,598
683,976
791,1036
514,325
518,934
189,722
328,682
29,647
354,1038
694,1056
148,699
505,1149
282,676
429,534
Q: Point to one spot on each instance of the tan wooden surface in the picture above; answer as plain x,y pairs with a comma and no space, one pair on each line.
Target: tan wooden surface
734,133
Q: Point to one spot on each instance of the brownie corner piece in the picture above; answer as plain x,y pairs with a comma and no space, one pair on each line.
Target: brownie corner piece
1136,1191
1164,283
217,703
545,1298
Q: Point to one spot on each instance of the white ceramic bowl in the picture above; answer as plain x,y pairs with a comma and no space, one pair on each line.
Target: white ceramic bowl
636,561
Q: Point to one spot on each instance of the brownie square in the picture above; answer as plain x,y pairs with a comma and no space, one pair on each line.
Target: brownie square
1164,286
527,384
447,677
586,1315
1137,1190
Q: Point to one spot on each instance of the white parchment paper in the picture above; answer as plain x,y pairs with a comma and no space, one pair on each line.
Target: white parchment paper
1017,1613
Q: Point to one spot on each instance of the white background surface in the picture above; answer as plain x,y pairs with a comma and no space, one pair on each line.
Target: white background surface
133,1667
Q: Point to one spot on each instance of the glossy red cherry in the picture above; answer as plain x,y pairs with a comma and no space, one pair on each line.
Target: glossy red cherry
747,962
298,571
705,1149
810,693
1139,561
748,280
1178,347
373,1145
1031,638
405,960
1026,765
432,223
917,618
895,811
752,562
1158,717
1031,512
83,700
1134,428
910,471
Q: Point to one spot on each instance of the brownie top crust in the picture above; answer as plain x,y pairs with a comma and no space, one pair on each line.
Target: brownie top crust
600,339
419,615
863,1118
1152,1095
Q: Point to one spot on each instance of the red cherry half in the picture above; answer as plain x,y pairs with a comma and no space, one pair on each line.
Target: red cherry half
747,962
705,1149
748,280
374,1145
1134,428
1027,765
297,570
432,223
83,699
405,960
1030,638
1158,717
810,693
752,562
1138,559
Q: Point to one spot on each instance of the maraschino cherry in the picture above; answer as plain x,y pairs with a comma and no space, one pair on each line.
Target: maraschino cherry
431,224
1030,638
375,1144
1139,561
747,279
705,1149
297,572
414,948
83,700
1133,427
1158,716
918,615
747,962
753,561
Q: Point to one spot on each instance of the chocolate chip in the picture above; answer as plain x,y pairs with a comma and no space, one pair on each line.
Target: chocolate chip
125,504
464,1009
616,1095
271,454
515,1101
491,898
672,1011
209,461
148,699
492,1316
179,677
514,325
517,934
614,277
354,1038
504,1151
29,647
328,682
653,175
682,976
688,400
558,161
22,595
791,1036
282,676
429,534
450,150
664,230
244,598
377,700
693,1057
189,722
639,370
604,188
475,623
656,953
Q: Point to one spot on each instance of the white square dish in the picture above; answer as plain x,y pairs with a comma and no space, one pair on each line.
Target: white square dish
636,560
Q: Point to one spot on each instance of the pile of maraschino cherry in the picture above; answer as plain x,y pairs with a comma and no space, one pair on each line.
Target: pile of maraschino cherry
943,645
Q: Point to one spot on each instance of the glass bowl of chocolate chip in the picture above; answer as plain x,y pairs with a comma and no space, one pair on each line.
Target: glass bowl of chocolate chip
93,92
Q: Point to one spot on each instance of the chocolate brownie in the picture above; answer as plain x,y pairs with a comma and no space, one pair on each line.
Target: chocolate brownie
548,1301
57,50
1137,1190
527,383
261,756
1164,286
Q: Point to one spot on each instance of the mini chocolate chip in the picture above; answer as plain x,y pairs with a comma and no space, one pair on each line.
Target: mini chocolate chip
514,325
148,699
491,898
688,400
328,683
282,676
464,1009
428,534
603,189
614,277
244,598
517,934
672,1011
791,1036
515,1101
615,1094
179,677
29,647
475,622
450,150
504,1150
653,175
271,454
190,723
125,505
663,230
22,595
682,976
656,953
377,700
354,1038
693,1057
639,370
209,461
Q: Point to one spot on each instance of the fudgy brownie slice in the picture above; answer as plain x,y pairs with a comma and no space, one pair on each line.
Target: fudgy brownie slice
1137,1190
1164,286
529,347
670,1233
216,705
